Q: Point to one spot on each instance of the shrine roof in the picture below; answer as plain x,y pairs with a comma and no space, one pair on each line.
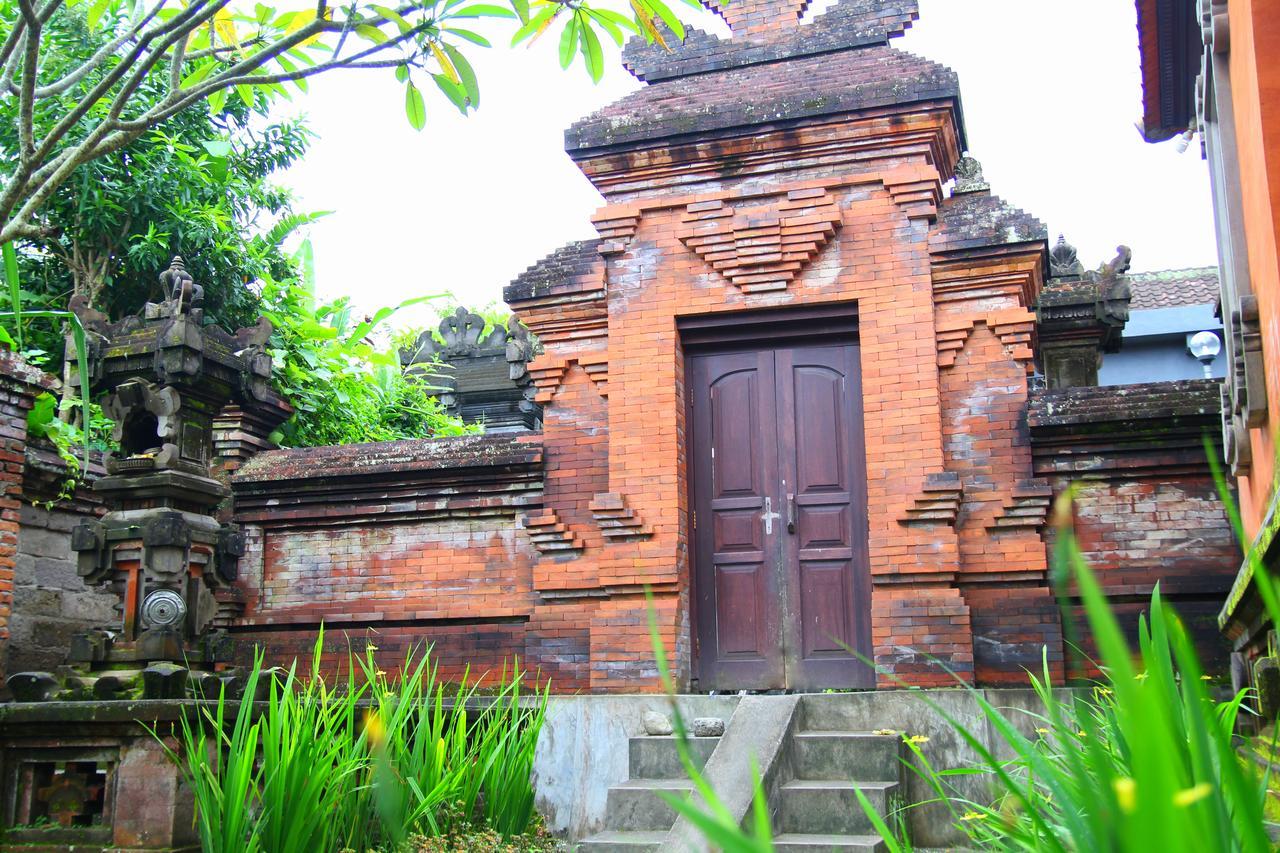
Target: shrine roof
798,88
1174,288
556,272
978,219
774,68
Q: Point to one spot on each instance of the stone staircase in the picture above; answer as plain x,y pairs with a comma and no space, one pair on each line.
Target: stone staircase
812,799
637,818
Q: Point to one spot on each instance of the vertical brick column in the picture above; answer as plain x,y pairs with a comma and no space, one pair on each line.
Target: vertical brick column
20,383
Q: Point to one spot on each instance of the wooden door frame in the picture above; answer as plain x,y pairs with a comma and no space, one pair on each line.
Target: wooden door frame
749,330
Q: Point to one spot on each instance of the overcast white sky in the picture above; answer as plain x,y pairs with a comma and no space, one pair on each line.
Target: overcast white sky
1051,92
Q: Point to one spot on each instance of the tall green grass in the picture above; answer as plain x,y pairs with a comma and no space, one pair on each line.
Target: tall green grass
1145,760
364,763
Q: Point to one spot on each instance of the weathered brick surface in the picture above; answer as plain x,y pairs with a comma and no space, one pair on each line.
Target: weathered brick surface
1146,508
20,383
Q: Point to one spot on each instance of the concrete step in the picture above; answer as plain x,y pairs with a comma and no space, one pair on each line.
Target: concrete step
636,805
657,757
622,842
796,842
820,806
844,756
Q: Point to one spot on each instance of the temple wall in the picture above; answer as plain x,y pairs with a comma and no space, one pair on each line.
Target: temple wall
51,602
1146,509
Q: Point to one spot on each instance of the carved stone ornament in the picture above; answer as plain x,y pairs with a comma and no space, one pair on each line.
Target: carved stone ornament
969,177
1064,260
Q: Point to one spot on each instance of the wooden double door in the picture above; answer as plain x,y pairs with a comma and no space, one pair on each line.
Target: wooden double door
777,470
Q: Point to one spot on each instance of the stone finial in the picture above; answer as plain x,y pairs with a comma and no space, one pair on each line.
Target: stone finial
969,177
1064,260
461,330
179,287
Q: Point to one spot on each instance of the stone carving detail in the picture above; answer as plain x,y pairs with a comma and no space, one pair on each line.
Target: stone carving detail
1026,509
940,503
551,536
1244,392
1081,316
162,376
482,377
1064,260
617,522
764,249
969,177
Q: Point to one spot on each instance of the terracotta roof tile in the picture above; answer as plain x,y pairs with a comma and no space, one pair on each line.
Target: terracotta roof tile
1173,288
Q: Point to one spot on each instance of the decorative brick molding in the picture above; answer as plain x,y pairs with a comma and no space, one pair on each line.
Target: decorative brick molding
919,198
940,503
1015,328
616,226
1026,509
761,249
549,373
549,535
617,522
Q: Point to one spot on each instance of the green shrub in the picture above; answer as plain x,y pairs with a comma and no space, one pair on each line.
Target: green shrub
370,762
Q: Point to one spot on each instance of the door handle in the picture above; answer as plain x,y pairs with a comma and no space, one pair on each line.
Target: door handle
768,516
791,512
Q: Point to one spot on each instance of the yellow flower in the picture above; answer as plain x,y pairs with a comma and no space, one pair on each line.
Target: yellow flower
374,729
917,739
973,816
1126,793
1082,733
1142,676
885,732
1206,678
1042,731
370,648
1195,794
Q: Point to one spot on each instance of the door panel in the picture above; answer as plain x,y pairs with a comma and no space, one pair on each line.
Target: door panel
777,474
735,431
824,560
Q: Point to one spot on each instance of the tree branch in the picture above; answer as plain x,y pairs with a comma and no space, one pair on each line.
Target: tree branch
30,70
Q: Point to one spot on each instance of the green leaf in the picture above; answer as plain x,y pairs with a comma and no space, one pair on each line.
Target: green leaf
483,10
245,92
15,289
217,101
536,24
393,16
368,32
522,10
94,15
610,26
217,147
466,74
476,38
200,72
453,91
568,42
402,73
414,108
668,17
591,51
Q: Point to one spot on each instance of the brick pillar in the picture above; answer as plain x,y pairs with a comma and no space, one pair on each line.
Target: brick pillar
240,434
20,383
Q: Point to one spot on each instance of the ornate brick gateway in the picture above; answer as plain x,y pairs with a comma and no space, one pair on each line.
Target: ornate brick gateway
786,390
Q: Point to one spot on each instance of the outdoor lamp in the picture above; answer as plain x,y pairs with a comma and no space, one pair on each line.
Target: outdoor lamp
1205,346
